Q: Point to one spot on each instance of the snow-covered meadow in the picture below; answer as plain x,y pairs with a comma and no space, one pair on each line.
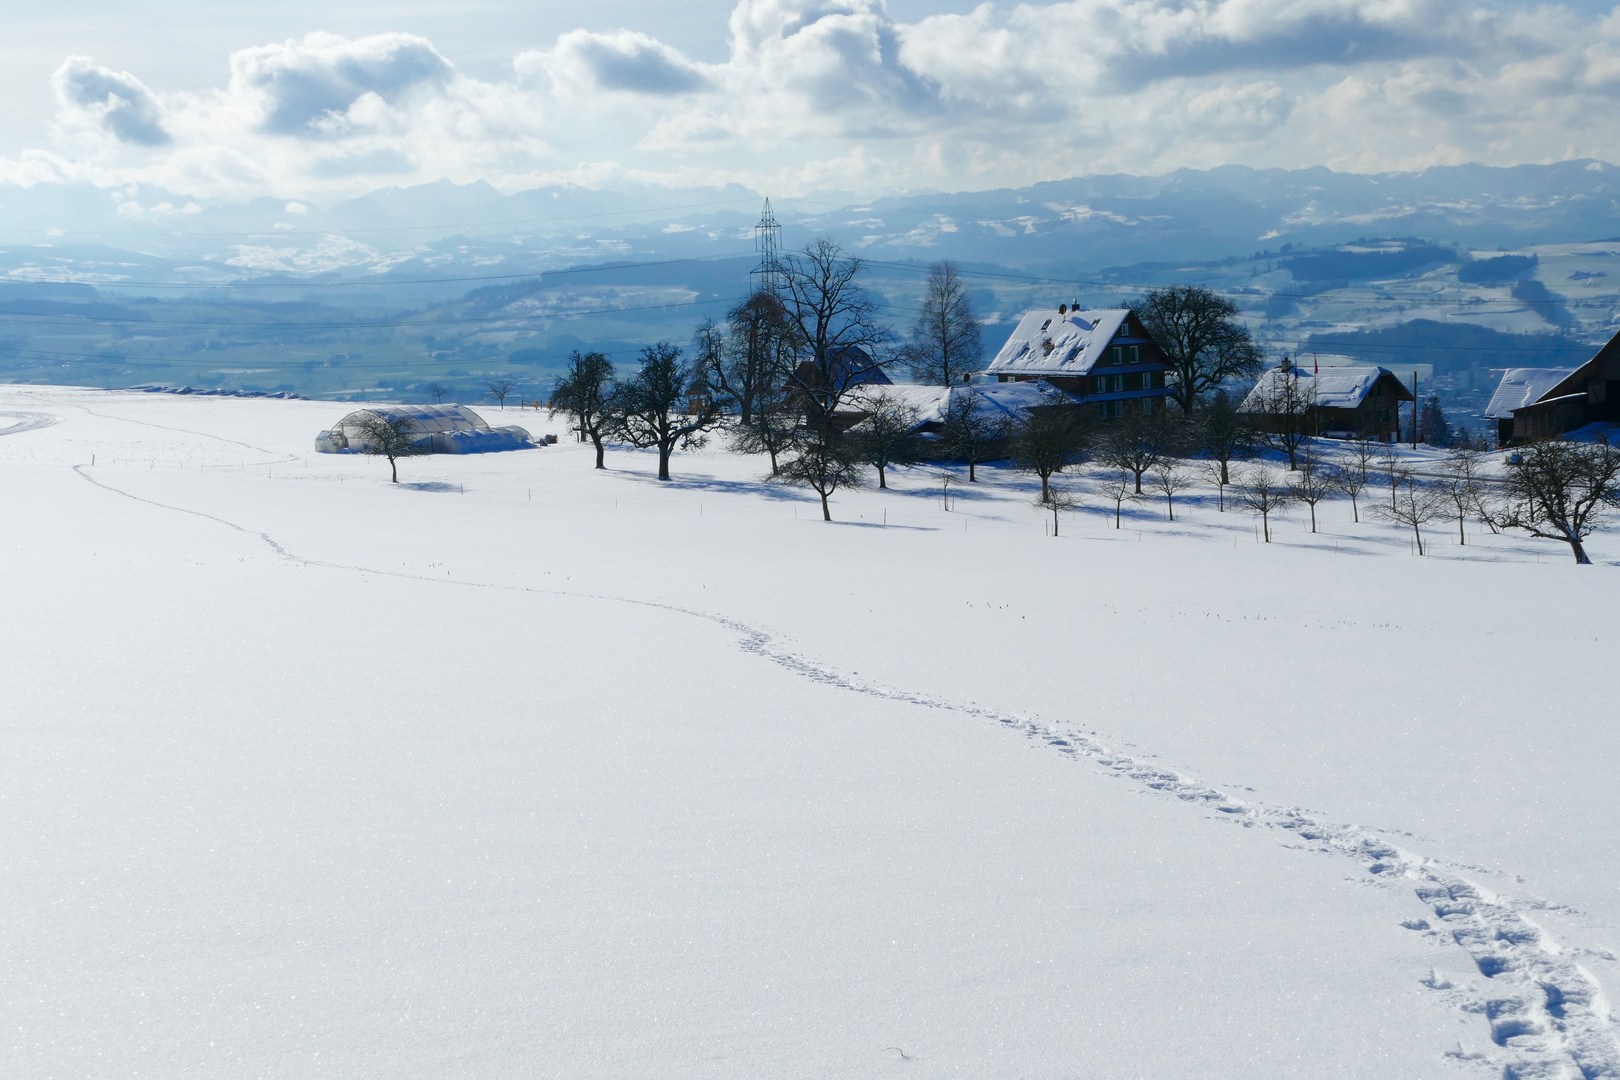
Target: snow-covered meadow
519,768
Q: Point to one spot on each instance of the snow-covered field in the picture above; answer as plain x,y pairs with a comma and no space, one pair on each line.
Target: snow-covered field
521,769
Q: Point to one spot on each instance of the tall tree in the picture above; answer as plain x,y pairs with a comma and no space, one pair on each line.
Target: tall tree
1436,429
824,463
1201,338
1286,409
647,410
755,353
1049,440
888,435
582,392
1562,490
839,336
777,428
438,391
945,342
1223,434
974,431
1138,442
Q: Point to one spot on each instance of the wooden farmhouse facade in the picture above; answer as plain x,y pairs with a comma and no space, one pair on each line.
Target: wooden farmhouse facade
1102,357
1519,388
1590,394
1347,402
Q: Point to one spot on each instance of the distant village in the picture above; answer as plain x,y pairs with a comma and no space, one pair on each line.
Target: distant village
807,373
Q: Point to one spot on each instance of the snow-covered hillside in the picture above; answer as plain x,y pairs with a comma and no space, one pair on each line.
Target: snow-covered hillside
519,768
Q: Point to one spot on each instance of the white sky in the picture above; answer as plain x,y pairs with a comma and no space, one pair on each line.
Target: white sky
233,100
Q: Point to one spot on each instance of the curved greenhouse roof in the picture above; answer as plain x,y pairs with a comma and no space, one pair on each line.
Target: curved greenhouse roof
441,429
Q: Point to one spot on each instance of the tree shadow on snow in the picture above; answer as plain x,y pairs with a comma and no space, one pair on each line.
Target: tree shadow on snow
432,485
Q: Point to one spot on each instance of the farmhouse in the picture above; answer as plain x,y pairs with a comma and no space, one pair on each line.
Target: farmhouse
1519,388
1103,357
1346,402
1588,395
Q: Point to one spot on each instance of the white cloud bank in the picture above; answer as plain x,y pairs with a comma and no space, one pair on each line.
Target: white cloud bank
837,94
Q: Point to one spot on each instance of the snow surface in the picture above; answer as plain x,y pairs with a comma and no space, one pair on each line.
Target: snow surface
519,768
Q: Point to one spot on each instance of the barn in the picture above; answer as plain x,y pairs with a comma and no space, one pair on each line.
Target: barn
441,429
1342,402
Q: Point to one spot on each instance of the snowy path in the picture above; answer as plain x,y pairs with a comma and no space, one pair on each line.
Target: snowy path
26,421
1547,1015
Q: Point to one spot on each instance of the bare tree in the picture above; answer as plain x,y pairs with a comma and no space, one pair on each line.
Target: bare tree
888,435
753,355
501,389
1462,487
391,437
1138,442
778,425
1223,434
1395,472
823,463
1170,478
647,410
437,391
1218,475
1049,440
583,392
1286,400
945,343
837,327
1561,490
1264,493
1058,500
1117,490
974,431
1312,482
1201,338
1413,505
1355,474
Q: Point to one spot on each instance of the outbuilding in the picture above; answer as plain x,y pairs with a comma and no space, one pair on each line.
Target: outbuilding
1519,388
1338,402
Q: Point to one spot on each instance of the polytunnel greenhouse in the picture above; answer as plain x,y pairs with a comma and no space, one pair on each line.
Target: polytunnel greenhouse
440,429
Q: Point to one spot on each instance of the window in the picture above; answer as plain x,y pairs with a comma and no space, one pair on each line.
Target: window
1102,410
1147,406
1118,356
1102,384
1147,380
1135,354
1119,383
1045,324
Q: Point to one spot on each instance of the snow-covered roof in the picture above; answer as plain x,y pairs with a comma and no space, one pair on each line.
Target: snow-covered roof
427,418
1010,399
1049,343
1522,386
1330,388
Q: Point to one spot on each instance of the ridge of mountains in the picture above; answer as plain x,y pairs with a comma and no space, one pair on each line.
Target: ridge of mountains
1078,226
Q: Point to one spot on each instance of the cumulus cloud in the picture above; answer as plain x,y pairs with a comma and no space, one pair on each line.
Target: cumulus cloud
309,86
112,101
840,93
620,61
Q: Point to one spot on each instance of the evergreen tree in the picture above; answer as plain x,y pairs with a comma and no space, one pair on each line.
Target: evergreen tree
1434,428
